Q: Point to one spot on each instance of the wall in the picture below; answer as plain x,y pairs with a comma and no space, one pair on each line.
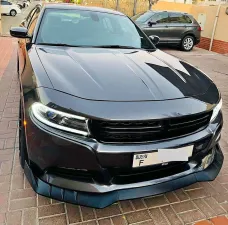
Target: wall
162,5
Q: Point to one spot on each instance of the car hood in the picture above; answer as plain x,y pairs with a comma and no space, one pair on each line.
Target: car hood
120,74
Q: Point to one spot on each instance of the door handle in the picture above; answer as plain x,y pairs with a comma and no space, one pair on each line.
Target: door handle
166,26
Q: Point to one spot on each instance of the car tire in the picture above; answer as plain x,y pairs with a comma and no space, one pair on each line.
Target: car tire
22,140
13,12
187,43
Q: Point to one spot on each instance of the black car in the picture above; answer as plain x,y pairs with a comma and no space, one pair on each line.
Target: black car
104,115
173,28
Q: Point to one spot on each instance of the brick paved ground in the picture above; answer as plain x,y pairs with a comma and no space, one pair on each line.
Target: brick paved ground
19,205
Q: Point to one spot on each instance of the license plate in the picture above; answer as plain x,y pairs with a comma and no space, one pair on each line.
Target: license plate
162,156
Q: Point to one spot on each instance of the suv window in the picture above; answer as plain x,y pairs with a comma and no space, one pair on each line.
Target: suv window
161,17
179,18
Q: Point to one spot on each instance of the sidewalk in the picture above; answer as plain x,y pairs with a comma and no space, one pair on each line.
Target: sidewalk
199,204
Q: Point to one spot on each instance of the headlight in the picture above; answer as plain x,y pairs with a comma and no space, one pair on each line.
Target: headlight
216,110
60,120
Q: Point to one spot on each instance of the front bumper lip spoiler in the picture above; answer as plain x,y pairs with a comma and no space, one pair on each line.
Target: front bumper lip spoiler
101,200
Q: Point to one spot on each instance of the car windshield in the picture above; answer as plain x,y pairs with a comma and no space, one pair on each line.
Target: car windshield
84,28
143,17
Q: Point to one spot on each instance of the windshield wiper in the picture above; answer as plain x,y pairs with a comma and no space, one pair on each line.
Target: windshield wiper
116,46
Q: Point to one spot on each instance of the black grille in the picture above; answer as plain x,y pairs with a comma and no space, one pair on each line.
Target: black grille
148,131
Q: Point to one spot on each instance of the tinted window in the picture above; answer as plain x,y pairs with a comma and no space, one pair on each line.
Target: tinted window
32,22
87,28
179,18
143,17
5,3
161,17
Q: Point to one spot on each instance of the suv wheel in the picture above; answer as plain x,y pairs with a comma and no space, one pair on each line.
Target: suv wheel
187,43
13,12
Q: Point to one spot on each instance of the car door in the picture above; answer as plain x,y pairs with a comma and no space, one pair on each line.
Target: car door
5,7
179,25
159,26
29,23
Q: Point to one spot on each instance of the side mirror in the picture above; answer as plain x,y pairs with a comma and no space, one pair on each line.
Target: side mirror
19,32
150,23
155,39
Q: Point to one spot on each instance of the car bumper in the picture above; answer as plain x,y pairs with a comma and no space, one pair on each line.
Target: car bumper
85,172
101,200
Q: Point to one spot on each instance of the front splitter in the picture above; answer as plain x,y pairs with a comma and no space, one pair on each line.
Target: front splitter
101,200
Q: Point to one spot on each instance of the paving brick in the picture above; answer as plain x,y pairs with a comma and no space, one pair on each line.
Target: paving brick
2,218
126,206
221,198
138,216
148,222
190,217
55,220
105,222
4,187
30,216
87,213
172,197
73,213
156,201
181,195
51,210
204,222
220,220
3,202
138,204
214,205
23,203
183,206
158,217
171,215
205,208
88,223
43,200
14,218
108,211
22,193
119,220
197,193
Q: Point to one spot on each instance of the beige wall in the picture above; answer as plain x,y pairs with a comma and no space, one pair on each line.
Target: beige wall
210,12
222,25
173,6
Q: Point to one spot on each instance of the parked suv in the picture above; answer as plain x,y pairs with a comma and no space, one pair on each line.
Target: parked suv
175,28
9,8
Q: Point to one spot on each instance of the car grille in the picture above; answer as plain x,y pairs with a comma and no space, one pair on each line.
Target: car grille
147,131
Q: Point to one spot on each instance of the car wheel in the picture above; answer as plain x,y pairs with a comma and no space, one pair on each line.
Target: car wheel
13,12
22,141
187,43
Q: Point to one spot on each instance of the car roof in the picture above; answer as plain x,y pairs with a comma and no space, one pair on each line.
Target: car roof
74,6
169,11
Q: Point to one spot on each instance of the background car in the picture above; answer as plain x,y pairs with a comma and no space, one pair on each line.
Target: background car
173,28
9,8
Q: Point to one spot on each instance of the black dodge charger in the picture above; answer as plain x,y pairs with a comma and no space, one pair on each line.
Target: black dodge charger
104,115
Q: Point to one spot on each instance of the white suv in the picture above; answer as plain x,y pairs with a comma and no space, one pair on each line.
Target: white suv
9,8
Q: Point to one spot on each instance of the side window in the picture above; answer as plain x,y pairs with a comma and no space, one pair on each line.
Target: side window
161,18
179,18
187,19
5,3
30,15
32,22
